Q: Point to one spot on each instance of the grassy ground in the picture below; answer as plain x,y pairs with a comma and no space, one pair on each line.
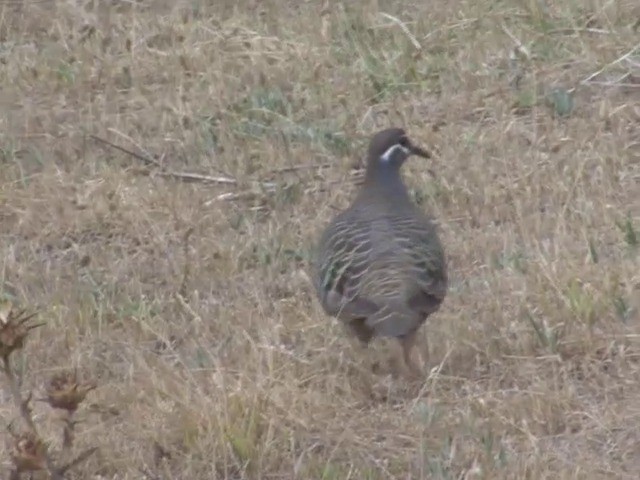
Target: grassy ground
188,303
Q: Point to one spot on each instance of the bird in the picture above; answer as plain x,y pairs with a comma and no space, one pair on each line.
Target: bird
380,266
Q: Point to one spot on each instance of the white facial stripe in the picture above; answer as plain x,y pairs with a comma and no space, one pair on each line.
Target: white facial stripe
386,156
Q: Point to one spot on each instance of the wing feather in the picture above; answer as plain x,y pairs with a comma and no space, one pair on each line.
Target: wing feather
389,270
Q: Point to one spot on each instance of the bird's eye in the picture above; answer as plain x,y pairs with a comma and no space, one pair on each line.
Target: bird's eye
404,141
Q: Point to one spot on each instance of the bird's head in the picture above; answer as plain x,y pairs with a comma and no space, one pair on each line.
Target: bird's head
391,147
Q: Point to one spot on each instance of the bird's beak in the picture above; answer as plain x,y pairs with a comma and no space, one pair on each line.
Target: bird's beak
416,150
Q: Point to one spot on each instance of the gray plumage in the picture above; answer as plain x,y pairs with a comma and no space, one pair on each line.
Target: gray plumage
380,266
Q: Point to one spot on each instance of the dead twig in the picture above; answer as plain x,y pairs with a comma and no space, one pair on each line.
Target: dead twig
233,196
187,308
145,159
618,60
78,460
615,84
519,46
263,186
569,31
295,168
184,176
414,41
196,177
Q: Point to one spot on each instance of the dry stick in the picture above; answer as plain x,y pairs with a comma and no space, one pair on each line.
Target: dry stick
616,61
137,145
295,168
196,177
25,412
232,196
147,160
187,308
569,31
414,41
185,176
519,45
79,459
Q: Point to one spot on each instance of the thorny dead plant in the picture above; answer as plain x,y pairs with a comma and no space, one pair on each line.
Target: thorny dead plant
29,452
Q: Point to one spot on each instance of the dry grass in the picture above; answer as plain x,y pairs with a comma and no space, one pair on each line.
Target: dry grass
536,351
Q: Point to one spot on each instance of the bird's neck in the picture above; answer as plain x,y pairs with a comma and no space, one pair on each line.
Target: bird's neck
384,182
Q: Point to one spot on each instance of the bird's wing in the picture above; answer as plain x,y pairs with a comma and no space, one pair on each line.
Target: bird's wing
342,261
389,271
427,268
410,277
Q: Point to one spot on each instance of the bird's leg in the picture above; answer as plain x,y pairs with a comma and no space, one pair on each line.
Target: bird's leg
408,343
427,355
359,341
